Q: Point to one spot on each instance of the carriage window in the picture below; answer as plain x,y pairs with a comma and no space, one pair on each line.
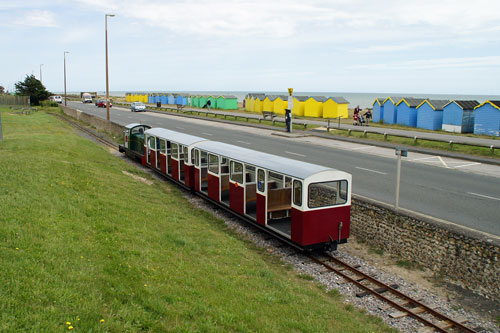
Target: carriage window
203,159
197,158
152,144
297,192
136,130
213,163
175,150
236,172
162,146
288,182
261,177
275,180
224,165
193,160
250,173
185,154
327,194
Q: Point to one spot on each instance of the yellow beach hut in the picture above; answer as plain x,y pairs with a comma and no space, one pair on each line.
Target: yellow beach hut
280,104
313,106
257,104
247,102
298,105
335,107
268,103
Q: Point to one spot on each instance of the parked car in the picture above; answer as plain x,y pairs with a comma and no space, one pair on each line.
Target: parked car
137,106
101,103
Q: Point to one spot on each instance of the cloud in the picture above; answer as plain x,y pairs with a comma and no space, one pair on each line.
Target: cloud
440,63
38,18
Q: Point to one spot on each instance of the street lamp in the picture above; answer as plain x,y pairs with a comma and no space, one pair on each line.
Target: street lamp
41,73
65,98
107,75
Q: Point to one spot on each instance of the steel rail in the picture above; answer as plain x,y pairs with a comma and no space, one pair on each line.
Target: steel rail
393,291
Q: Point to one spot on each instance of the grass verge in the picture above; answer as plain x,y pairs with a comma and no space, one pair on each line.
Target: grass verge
83,243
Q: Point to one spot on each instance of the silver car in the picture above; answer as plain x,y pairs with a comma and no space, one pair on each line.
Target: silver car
137,106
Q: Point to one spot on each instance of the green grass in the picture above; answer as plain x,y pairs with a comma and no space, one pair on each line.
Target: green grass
82,242
408,264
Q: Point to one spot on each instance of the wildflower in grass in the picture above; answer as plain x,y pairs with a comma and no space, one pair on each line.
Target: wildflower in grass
70,327
17,248
68,323
102,320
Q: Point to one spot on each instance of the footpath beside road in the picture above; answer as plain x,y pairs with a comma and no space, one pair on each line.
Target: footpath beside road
371,128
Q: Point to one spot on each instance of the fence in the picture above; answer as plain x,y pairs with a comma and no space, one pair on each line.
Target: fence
14,100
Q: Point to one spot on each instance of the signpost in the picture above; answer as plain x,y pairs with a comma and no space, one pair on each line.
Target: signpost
289,110
399,153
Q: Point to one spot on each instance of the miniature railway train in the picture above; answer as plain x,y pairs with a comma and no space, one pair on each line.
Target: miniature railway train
306,205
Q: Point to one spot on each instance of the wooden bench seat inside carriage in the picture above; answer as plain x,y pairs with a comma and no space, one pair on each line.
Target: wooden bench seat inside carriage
251,192
279,199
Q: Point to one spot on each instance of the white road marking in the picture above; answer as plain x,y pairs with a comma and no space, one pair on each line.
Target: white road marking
360,148
289,152
181,128
247,143
370,170
484,196
444,163
207,134
423,158
466,165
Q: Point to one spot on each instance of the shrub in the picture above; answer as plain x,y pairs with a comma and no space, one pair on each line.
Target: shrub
47,103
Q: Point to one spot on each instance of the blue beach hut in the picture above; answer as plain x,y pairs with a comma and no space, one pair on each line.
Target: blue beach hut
151,99
407,111
430,114
390,114
180,99
163,99
170,99
487,118
378,109
458,116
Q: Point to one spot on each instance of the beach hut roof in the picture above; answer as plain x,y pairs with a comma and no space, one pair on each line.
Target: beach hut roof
465,105
338,100
380,100
436,104
301,98
255,95
495,104
272,97
395,100
412,102
226,96
319,98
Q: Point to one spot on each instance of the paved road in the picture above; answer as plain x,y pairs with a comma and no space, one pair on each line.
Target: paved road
458,191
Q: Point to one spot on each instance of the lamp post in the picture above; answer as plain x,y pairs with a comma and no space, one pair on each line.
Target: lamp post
41,73
65,98
107,74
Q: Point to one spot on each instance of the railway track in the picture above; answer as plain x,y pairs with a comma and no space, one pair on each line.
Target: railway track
406,306
89,132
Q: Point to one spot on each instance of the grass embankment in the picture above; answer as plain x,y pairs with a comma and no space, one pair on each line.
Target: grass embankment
82,242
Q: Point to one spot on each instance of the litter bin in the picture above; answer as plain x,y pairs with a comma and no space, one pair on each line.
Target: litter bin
158,104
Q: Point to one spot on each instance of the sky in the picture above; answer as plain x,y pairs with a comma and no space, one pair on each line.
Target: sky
396,46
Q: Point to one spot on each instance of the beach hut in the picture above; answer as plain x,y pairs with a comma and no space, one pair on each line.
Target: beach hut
252,98
458,116
313,106
127,97
407,111
335,107
390,114
268,103
487,118
378,109
299,105
202,101
151,99
258,101
247,102
194,100
181,100
430,114
280,104
163,98
227,102
213,102
170,99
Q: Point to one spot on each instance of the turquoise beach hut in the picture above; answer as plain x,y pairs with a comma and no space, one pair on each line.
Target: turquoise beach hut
390,114
487,118
378,109
407,111
458,116
202,101
430,114
213,102
227,102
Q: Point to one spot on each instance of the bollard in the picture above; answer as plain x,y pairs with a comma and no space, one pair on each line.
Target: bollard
385,136
349,132
415,139
364,133
451,145
328,127
492,148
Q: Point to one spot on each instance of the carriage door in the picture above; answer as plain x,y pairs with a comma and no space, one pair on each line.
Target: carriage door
261,196
158,152
197,172
151,158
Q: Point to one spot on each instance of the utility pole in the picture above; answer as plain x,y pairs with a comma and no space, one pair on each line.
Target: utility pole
65,97
107,74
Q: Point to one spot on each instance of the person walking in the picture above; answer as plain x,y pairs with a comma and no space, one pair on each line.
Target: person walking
209,103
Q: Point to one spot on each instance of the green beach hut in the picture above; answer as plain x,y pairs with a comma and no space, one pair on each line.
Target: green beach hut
227,102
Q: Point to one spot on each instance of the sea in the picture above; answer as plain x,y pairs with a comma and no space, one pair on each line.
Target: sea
364,100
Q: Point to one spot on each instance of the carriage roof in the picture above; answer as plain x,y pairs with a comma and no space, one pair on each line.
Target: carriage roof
270,162
181,138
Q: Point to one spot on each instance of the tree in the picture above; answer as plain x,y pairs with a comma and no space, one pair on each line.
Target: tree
2,90
33,88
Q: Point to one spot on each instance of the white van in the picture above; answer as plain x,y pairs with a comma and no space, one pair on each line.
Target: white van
86,98
57,99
